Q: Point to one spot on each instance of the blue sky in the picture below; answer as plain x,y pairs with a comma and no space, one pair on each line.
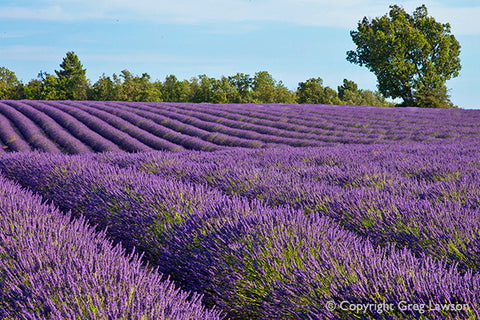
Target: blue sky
293,40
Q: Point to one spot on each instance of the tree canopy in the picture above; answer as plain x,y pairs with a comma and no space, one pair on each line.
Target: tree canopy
72,80
411,55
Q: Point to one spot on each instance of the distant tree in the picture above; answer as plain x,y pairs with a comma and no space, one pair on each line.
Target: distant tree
10,87
243,83
170,89
222,91
72,81
104,89
283,95
411,55
226,92
193,89
313,92
370,98
310,91
349,93
158,87
205,89
213,90
184,92
240,88
176,91
263,87
117,84
49,88
330,96
147,91
433,98
137,88
33,89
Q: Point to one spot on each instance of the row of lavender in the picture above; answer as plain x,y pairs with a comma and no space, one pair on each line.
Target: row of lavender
90,126
424,197
272,258
55,267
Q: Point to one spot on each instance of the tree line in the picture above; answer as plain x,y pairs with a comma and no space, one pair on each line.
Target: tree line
70,83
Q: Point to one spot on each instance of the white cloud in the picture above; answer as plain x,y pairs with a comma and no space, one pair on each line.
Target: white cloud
334,13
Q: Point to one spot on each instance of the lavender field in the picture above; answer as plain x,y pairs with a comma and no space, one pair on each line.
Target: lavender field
93,126
122,210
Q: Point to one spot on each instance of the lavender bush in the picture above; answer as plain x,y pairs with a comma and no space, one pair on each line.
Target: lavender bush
269,135
172,130
52,267
368,191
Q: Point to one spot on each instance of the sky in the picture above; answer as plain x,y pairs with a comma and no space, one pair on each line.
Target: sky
292,40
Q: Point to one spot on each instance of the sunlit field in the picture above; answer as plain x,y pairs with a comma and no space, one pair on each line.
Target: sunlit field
131,210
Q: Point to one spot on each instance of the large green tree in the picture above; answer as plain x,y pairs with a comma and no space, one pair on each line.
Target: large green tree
72,80
411,55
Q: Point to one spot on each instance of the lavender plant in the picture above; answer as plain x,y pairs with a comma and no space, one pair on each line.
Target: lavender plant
270,135
52,267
